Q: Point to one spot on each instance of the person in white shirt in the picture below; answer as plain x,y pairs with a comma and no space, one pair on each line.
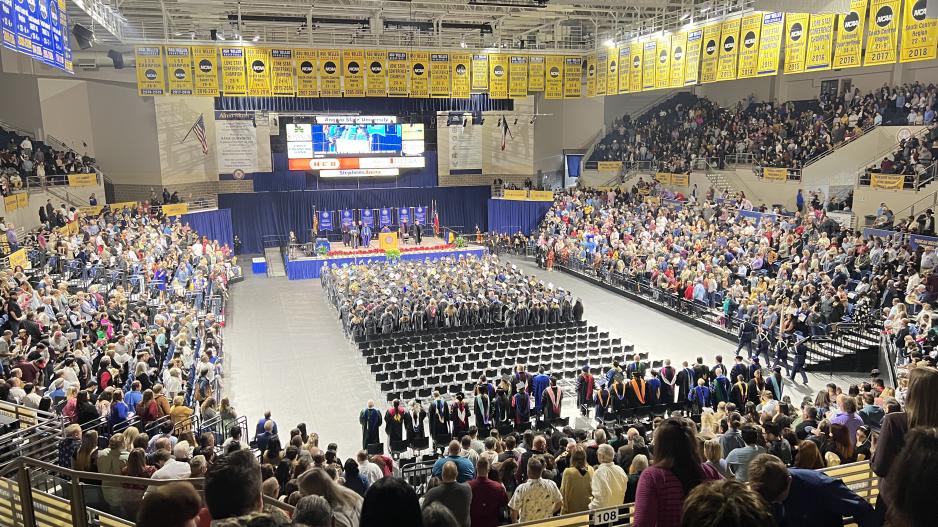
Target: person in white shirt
31,399
536,498
178,466
371,471
609,481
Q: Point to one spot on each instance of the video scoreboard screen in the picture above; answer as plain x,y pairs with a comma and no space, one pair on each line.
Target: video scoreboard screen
39,29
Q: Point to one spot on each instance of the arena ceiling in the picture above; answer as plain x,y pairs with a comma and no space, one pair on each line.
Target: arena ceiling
448,24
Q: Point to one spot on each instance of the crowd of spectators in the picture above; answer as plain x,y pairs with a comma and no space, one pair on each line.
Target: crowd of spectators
23,162
914,158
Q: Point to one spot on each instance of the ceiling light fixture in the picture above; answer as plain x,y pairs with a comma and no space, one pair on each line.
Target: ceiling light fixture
609,43
462,45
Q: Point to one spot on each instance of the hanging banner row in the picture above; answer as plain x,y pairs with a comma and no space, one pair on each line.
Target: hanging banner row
327,220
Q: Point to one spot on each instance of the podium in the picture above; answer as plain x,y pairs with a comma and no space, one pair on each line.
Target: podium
388,241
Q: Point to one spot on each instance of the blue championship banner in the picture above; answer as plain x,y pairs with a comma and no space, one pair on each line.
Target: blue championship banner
420,215
347,217
385,217
325,220
367,217
403,215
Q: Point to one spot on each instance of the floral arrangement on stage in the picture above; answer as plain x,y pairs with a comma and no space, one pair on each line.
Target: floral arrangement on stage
374,251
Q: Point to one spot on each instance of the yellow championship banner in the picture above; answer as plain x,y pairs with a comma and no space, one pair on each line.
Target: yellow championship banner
91,210
122,205
179,70
601,73
572,77
498,76
82,180
233,81
820,42
680,180
330,69
612,71
306,62
205,73
678,54
635,70
22,200
376,73
796,42
419,81
440,81
398,74
749,33
729,50
625,66
10,204
887,181
258,71
609,166
711,53
176,209
528,195
883,32
770,43
19,259
281,72
591,74
775,174
692,57
553,79
517,76
919,34
460,64
536,69
480,72
663,62
848,47
649,64
663,177
353,82
150,70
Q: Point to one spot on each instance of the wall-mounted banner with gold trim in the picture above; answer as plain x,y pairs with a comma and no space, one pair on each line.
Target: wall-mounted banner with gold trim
175,209
233,82
376,73
498,76
150,70
750,31
572,77
398,74
663,62
10,204
419,74
775,174
353,71
692,57
612,71
179,70
601,59
882,34
770,43
711,52
887,181
820,42
678,56
517,76
281,72
460,65
729,49
680,180
306,62
536,70
609,166
590,61
82,180
480,72
796,42
258,71
848,48
919,33
625,67
330,73
205,73
663,177
649,64
553,77
440,79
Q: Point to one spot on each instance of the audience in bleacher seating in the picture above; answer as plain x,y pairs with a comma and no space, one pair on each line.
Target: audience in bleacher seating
24,162
914,158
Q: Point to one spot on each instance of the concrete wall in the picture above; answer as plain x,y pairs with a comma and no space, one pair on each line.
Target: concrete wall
124,125
19,102
66,113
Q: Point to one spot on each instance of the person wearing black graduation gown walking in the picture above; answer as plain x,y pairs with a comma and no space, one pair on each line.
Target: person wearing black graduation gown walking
413,422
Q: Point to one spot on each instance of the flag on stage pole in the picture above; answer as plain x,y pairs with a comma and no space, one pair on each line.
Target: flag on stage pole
198,128
506,133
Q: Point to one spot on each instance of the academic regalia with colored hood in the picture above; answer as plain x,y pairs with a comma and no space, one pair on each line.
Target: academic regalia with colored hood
701,397
413,424
584,389
636,392
653,391
685,384
721,389
551,400
668,377
439,418
460,413
538,385
370,419
502,404
394,423
521,404
620,400
483,410
603,403
739,394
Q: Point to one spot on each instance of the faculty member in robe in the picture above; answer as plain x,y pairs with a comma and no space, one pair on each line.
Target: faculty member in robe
394,422
370,420
413,422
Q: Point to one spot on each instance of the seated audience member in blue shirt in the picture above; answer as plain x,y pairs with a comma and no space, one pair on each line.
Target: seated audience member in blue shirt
467,471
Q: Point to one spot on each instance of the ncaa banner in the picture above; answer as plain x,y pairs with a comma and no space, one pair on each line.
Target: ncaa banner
367,216
749,33
420,215
711,52
663,62
232,72
419,74
460,64
517,76
205,74
384,217
612,71
536,73
306,62
281,73
353,83
258,72
796,42
347,218
770,43
179,70
883,32
325,220
403,215
330,78
376,75
440,81
572,77
678,54
498,76
919,34
692,57
820,42
398,74
601,60
635,75
649,64
150,70
480,72
625,66
553,77
591,75
849,44
729,50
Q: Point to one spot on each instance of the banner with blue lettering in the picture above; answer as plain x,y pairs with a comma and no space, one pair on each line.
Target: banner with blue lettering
929,242
325,220
403,215
368,217
347,218
384,216
420,215
756,215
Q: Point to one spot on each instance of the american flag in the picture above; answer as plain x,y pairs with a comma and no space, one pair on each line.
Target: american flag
506,132
199,130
